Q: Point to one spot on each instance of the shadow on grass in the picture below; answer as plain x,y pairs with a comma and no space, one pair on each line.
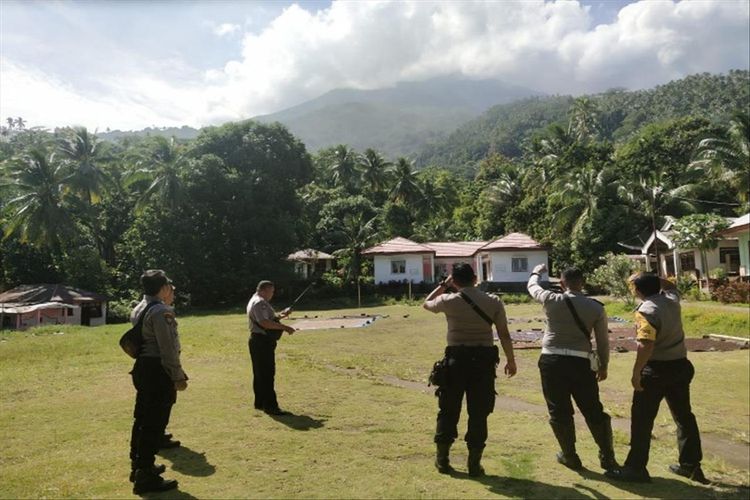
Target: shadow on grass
172,494
660,487
299,422
188,462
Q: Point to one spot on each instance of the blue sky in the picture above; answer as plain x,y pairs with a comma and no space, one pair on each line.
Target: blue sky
130,64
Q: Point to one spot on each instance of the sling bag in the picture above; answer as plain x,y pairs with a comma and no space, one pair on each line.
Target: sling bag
132,341
476,308
593,356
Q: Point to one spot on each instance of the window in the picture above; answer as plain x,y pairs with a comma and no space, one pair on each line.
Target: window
520,264
687,261
69,311
398,267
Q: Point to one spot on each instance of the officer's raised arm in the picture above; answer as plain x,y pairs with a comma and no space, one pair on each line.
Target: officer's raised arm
535,289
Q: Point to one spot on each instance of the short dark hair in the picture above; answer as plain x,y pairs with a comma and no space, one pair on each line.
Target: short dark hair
153,280
463,274
263,284
647,283
573,276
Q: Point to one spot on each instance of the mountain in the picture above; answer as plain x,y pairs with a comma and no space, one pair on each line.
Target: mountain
398,120
183,132
505,128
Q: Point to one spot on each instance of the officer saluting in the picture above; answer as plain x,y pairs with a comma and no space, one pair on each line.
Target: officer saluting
566,368
661,371
157,376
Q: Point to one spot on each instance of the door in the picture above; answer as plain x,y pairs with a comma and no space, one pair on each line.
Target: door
426,268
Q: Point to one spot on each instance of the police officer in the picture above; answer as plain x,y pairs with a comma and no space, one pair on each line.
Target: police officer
471,356
566,368
157,375
265,331
661,371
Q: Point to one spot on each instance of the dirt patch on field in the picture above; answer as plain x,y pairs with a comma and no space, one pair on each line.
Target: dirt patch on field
316,323
622,339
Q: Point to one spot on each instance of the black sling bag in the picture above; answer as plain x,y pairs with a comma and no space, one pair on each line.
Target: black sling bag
132,341
593,356
476,308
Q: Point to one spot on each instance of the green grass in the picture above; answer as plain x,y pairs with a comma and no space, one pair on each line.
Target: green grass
67,406
701,318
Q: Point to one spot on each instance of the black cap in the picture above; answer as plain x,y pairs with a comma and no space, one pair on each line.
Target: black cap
153,280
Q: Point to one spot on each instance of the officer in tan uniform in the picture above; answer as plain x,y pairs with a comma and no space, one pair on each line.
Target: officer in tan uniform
566,368
157,376
471,356
661,371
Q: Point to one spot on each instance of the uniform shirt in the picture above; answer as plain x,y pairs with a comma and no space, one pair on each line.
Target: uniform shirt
562,331
465,326
259,309
160,337
659,319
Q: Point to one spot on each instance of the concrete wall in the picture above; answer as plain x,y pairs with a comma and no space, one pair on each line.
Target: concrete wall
414,273
744,243
501,269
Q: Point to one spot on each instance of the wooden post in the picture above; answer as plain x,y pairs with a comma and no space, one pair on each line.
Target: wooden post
359,294
409,289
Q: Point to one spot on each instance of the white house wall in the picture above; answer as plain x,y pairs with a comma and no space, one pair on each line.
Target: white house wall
501,265
414,273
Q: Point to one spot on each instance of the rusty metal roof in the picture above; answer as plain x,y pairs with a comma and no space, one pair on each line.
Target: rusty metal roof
397,245
39,294
309,254
455,248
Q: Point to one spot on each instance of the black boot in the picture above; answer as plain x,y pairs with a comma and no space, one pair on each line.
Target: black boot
157,469
146,482
474,462
442,460
602,433
566,436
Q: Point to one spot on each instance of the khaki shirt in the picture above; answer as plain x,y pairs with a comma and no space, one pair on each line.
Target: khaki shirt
258,309
465,326
659,319
160,337
562,331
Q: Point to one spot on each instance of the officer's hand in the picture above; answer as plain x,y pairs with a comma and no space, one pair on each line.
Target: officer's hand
180,385
510,368
541,268
636,381
289,329
601,375
286,312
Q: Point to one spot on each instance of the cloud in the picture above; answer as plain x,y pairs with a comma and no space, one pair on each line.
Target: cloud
554,47
225,29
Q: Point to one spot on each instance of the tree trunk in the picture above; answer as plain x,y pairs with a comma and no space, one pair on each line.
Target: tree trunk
704,265
656,240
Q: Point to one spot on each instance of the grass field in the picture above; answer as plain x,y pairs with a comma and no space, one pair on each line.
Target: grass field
358,431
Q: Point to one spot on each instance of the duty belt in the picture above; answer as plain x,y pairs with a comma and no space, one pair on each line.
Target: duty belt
564,352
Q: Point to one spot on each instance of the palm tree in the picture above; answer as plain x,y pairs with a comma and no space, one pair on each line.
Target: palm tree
160,165
37,213
584,119
549,154
727,157
507,190
85,178
375,169
343,167
406,187
579,192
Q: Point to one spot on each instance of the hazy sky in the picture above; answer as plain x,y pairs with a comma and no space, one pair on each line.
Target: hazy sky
131,64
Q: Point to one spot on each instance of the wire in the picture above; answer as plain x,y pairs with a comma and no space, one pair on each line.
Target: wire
708,201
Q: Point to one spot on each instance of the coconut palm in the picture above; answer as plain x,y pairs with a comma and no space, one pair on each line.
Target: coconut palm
584,119
727,157
406,186
579,192
36,212
160,165
375,170
80,150
343,167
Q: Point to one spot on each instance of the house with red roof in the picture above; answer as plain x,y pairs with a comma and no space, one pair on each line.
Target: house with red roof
506,260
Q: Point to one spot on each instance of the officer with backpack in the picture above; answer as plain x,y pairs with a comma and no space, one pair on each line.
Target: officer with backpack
157,376
569,366
470,360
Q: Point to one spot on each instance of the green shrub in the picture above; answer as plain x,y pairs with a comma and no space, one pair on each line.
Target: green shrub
514,298
685,283
612,276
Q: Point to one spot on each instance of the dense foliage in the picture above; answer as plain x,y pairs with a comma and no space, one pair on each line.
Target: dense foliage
221,211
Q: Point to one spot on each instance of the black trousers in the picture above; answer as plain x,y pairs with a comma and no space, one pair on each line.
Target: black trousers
155,395
471,370
263,357
668,380
564,377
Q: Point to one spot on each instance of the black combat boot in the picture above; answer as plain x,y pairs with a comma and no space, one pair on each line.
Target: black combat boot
602,433
442,460
474,462
146,482
158,469
566,436
692,472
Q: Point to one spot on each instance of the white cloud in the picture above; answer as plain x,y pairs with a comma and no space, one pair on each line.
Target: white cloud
549,46
225,29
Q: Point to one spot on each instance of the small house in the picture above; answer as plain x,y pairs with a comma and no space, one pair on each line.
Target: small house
51,304
509,260
309,262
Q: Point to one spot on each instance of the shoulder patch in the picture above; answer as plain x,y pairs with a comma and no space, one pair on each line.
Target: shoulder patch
643,329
